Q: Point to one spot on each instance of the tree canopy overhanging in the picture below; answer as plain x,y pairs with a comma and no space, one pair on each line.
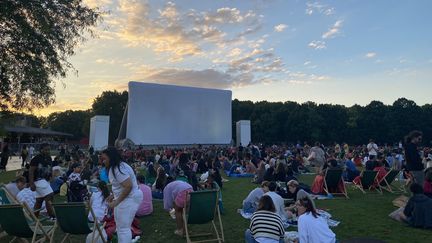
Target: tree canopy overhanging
36,39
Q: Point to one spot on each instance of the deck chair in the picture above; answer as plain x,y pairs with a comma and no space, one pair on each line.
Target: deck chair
202,209
7,195
386,182
368,180
72,220
333,180
15,223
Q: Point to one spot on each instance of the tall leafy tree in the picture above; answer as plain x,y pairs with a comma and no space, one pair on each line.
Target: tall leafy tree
36,39
113,104
68,121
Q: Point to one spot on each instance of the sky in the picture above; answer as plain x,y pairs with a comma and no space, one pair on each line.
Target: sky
339,52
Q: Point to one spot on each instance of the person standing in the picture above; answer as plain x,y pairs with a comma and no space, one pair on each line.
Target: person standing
24,155
31,151
39,175
372,148
127,195
412,157
317,156
4,157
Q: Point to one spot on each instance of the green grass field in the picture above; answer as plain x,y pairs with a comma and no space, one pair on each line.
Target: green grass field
360,216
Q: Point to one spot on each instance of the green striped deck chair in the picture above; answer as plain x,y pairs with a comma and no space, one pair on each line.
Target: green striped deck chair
72,220
15,223
202,209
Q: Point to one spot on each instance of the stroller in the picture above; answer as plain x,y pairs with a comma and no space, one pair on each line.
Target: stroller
77,192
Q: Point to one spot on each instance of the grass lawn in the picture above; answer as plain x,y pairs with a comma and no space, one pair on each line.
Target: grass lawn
360,216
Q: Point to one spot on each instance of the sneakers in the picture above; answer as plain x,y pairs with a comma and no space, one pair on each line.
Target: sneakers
178,232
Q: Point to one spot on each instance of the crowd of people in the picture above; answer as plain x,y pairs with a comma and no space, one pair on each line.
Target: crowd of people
137,176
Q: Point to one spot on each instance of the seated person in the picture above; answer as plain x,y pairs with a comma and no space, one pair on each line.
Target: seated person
56,180
382,172
159,184
427,185
312,227
259,174
16,186
371,163
146,206
278,201
297,193
99,202
250,204
259,230
418,211
211,184
280,173
250,167
26,195
269,174
75,176
351,171
295,189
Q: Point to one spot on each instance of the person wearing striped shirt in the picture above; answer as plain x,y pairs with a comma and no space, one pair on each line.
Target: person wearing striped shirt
266,226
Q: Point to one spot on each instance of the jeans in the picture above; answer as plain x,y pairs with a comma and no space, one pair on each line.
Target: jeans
249,238
124,214
248,207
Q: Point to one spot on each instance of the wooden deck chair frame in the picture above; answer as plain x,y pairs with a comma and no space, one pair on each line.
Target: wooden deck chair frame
370,186
96,225
216,213
28,212
37,229
386,184
326,189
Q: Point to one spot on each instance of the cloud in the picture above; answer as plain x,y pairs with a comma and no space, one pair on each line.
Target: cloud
370,54
280,27
97,3
207,78
333,31
317,45
316,7
182,34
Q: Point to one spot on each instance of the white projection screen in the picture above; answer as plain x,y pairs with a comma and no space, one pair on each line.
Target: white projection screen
176,115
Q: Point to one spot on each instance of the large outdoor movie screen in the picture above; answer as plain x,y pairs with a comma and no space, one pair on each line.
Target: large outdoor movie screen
176,115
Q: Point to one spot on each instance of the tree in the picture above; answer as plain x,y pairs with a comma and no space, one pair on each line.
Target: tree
36,38
113,104
68,121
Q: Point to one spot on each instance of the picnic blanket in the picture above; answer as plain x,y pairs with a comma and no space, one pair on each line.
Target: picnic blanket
400,201
326,215
227,172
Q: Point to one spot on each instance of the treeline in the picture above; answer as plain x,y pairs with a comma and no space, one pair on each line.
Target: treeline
292,122
278,122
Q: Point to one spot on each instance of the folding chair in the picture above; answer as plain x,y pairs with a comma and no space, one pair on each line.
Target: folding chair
334,183
202,209
368,180
7,195
15,223
386,182
72,220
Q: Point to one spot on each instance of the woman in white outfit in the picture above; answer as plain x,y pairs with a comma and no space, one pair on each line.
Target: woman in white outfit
127,195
